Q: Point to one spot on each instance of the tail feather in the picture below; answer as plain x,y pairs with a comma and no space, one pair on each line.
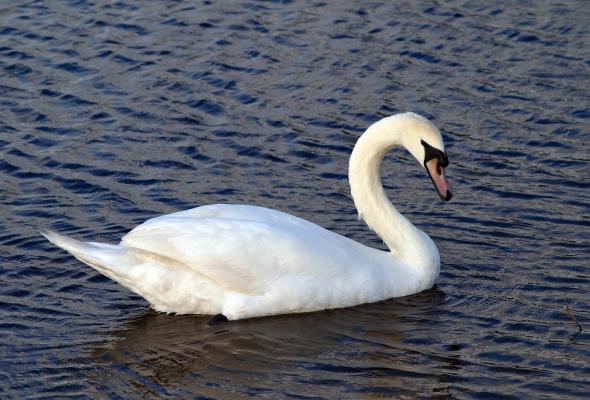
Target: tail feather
71,245
166,283
138,270
114,261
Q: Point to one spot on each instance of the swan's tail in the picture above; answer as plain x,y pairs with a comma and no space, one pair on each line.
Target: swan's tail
167,284
114,261
131,267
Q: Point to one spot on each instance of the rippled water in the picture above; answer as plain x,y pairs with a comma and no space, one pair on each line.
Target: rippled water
114,112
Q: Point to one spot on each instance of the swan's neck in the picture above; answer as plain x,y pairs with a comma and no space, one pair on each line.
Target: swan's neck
401,237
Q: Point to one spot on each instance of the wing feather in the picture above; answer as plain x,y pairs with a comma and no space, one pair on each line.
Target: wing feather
242,248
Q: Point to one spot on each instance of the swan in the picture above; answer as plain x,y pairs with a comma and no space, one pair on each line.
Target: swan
243,261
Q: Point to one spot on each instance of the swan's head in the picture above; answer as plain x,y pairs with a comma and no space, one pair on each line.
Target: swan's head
424,141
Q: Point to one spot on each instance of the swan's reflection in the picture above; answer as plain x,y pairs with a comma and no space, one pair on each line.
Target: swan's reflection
324,352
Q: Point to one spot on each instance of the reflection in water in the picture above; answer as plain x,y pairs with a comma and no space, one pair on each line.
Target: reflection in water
365,349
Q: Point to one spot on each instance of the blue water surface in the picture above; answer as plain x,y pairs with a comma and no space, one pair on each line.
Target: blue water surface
115,112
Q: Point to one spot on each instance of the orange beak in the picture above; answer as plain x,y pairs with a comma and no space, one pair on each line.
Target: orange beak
438,177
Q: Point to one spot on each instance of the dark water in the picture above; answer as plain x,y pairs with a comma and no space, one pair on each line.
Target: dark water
112,114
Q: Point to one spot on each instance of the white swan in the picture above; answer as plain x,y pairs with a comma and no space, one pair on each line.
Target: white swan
240,261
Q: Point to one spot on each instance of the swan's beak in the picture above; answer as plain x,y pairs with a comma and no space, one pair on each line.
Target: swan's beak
438,177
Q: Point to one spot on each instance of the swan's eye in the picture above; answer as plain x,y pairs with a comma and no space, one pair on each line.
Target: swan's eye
432,152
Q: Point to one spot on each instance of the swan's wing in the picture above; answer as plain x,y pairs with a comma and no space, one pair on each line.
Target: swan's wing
243,253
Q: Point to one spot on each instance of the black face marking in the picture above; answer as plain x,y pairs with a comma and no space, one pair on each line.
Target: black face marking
431,152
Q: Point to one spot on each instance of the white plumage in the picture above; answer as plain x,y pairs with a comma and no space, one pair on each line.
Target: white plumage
245,261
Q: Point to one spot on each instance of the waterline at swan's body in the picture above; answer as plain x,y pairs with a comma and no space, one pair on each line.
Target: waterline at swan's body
245,261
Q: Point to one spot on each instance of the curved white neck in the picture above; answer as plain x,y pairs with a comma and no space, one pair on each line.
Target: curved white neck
400,235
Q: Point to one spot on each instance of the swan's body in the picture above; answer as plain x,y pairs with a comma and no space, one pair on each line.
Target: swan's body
245,261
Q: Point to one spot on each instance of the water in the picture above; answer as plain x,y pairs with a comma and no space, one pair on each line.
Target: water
114,113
